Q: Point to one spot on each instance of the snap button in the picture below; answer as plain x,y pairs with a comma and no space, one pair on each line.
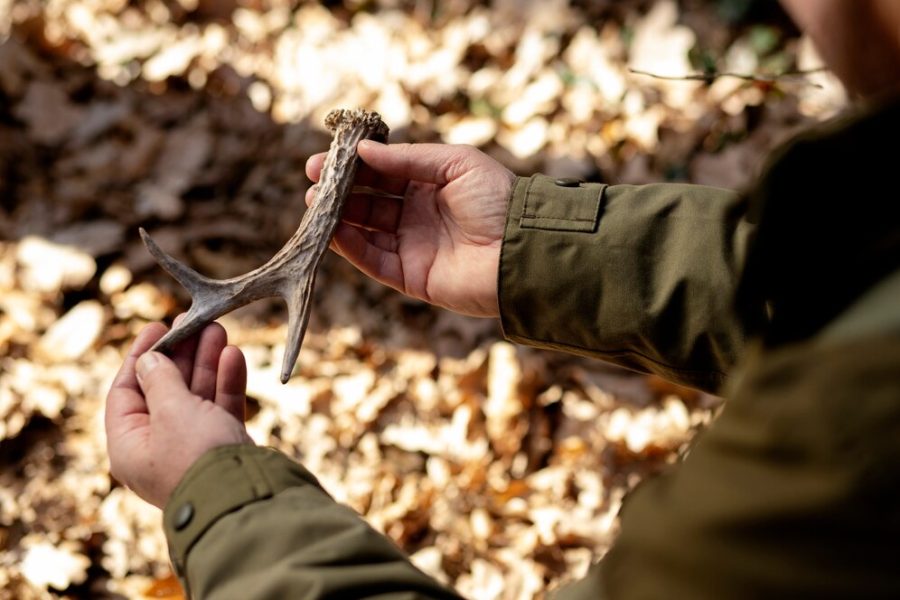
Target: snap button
183,516
568,181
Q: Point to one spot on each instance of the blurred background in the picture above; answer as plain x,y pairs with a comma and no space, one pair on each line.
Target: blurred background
499,469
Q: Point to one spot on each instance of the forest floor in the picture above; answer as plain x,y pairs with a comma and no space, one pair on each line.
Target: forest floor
500,469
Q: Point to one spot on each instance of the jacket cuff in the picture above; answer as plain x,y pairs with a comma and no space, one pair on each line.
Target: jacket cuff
548,233
220,482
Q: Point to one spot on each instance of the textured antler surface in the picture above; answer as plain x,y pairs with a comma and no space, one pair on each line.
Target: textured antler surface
291,273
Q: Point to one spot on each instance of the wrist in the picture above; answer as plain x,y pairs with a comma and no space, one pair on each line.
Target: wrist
489,304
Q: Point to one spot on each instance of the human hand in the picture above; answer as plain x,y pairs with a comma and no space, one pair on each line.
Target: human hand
439,241
162,414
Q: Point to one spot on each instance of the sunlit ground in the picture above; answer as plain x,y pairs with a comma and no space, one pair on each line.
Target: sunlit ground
500,469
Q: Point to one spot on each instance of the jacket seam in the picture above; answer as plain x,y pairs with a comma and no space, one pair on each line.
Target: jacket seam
712,374
527,194
536,217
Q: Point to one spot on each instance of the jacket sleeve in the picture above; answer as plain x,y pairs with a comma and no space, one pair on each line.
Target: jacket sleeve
248,522
640,276
792,493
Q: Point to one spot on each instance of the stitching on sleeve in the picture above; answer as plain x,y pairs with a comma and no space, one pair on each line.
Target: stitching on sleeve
537,218
525,214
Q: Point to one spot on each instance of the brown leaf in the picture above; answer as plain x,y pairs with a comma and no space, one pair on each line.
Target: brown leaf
48,112
167,587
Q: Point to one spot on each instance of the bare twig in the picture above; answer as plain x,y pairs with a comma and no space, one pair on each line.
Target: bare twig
291,273
755,77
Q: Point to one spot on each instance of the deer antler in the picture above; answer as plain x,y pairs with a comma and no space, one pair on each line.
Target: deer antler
291,273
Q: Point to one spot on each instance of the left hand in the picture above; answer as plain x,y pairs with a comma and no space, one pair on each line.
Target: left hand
163,414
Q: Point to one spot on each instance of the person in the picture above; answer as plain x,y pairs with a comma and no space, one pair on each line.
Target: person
785,299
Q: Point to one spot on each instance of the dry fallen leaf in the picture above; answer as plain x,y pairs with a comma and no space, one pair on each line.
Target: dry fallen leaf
48,112
501,469
51,268
73,334
168,587
57,566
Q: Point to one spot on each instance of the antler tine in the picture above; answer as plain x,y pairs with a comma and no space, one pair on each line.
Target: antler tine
209,298
298,318
291,273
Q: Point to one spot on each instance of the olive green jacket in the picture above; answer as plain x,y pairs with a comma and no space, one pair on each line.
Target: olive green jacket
786,300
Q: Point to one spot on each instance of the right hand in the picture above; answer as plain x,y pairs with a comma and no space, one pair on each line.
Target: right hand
441,241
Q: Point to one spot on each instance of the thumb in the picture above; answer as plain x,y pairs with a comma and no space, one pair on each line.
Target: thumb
160,380
431,163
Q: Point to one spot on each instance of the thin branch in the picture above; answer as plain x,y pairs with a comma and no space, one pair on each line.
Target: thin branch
712,76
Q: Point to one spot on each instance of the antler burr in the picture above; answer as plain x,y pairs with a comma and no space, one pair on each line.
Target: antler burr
291,273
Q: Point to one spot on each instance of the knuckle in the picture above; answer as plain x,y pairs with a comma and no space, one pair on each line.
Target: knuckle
457,164
214,332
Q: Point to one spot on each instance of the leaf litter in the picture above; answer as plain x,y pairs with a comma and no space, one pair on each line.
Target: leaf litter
500,469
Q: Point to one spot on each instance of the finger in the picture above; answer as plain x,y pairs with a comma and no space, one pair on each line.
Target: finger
162,382
126,378
126,408
367,210
184,352
213,340
368,177
431,163
373,212
397,190
381,240
316,162
231,384
365,175
370,253
125,397
314,166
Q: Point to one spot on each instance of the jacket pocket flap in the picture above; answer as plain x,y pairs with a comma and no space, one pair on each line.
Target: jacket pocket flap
561,204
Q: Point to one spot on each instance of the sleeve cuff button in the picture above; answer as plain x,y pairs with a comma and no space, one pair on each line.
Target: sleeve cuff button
183,516
568,181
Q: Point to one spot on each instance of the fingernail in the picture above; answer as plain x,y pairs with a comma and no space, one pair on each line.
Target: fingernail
146,363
